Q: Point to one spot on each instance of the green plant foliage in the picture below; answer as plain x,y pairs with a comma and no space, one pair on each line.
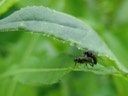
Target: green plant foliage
90,84
38,45
40,22
36,19
37,67
44,71
50,22
6,4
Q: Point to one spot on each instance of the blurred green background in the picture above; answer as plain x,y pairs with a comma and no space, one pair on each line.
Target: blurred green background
109,18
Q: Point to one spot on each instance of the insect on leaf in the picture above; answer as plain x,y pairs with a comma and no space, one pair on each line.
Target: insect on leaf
65,27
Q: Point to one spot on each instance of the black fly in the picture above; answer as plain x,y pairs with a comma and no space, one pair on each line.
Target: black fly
92,55
84,60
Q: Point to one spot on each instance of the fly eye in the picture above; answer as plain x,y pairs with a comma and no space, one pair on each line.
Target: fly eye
86,52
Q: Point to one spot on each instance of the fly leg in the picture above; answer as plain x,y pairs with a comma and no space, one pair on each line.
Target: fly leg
92,64
75,65
86,65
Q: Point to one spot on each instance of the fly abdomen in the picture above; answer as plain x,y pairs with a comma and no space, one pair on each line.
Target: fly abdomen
94,60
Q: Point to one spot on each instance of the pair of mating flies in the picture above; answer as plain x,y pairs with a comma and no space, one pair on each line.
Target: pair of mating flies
89,58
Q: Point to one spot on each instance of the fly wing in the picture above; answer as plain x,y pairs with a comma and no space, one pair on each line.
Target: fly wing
100,58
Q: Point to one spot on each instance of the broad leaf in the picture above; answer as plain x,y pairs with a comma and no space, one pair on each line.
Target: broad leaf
49,70
67,28
44,71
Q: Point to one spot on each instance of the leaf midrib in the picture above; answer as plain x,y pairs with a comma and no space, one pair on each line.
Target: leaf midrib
31,70
18,71
69,26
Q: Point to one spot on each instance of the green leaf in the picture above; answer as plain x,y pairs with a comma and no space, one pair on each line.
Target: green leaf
82,85
46,69
11,87
6,4
44,20
49,70
32,60
68,28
